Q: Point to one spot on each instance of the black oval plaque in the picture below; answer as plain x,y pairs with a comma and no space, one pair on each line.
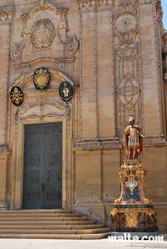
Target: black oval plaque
65,91
16,95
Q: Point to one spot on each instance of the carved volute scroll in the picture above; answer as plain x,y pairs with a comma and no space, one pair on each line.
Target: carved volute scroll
43,27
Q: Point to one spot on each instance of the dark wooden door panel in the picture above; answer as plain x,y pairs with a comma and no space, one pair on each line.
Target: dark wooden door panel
42,186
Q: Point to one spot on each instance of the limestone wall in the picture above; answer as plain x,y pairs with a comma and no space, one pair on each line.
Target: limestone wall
110,52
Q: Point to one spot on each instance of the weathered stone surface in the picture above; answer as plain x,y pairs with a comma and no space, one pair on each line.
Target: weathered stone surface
115,71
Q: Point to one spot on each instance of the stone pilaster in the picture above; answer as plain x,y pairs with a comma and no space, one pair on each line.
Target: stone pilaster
7,13
3,178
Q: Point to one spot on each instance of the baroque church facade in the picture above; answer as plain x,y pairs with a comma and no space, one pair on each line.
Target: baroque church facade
71,74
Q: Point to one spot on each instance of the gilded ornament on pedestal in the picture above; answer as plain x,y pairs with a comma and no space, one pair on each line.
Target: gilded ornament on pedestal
131,183
131,219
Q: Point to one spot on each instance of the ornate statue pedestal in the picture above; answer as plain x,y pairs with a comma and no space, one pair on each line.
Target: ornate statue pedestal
133,212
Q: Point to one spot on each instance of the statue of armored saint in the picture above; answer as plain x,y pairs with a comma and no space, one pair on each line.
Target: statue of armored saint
132,139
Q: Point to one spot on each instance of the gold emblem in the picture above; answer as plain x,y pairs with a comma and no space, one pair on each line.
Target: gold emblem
41,78
65,90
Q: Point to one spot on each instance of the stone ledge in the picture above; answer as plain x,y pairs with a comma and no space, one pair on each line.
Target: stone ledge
98,144
49,61
154,140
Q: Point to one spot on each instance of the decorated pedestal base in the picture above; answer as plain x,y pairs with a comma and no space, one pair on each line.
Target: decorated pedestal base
133,212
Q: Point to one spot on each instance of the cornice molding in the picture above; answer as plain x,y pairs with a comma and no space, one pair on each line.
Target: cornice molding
54,62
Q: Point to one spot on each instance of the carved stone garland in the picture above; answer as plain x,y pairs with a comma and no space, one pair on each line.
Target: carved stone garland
128,88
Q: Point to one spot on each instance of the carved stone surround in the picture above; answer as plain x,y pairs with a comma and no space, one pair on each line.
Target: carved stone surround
39,107
41,31
17,157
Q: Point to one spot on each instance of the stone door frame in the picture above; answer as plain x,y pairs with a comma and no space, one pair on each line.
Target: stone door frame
20,161
39,107
37,113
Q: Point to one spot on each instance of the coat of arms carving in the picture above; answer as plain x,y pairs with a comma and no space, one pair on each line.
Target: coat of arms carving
16,95
65,91
43,33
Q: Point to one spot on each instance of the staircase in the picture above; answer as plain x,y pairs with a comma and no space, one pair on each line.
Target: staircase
49,224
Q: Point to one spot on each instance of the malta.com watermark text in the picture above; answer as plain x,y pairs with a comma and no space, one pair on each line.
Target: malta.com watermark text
127,237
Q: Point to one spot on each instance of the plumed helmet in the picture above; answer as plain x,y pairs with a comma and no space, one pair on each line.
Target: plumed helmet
131,118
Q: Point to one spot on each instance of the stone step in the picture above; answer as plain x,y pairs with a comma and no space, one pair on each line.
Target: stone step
44,218
44,222
60,224
55,236
36,211
39,215
60,227
83,231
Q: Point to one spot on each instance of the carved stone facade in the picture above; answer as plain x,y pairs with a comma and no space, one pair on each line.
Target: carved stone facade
114,55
